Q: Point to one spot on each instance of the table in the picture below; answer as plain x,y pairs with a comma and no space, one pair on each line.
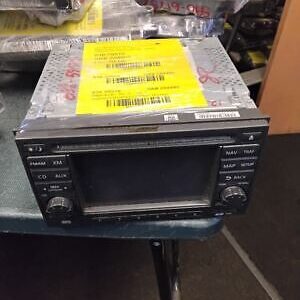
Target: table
19,212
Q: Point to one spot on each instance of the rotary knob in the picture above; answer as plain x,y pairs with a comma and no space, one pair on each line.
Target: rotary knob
59,205
234,196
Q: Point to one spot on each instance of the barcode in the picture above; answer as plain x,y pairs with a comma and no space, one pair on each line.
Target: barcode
133,65
140,101
217,115
135,79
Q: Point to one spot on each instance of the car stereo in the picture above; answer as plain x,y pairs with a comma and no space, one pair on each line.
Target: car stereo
179,164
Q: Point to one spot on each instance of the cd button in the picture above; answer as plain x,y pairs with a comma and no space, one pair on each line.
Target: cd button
40,175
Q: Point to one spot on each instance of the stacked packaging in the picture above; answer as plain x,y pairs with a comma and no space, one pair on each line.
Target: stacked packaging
29,29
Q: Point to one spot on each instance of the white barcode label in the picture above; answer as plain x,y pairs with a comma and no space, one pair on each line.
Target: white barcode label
140,101
217,115
171,117
133,65
135,79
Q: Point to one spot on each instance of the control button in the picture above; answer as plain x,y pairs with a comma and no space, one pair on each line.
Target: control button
228,165
34,148
37,162
238,164
233,196
54,187
251,150
59,205
248,164
230,152
238,151
57,161
235,176
40,175
251,136
50,175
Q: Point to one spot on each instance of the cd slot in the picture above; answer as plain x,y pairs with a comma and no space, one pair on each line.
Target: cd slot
142,144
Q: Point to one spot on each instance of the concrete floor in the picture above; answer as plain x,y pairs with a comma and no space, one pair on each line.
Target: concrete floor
77,268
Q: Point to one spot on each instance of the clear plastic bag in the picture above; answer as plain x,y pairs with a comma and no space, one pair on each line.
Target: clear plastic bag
23,41
24,44
200,8
50,12
35,4
164,25
75,12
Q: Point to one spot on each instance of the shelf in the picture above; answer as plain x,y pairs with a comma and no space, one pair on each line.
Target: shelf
254,76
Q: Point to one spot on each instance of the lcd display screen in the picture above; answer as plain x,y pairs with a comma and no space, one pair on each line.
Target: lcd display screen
165,176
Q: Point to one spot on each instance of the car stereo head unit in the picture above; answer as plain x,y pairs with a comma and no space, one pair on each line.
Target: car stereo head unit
175,164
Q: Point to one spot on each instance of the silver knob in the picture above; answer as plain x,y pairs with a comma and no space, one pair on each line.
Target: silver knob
233,196
59,205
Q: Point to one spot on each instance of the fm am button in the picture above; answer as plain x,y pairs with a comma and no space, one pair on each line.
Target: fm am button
37,162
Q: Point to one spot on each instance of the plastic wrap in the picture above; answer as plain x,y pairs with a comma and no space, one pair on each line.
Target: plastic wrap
202,8
55,100
49,12
25,44
163,25
35,4
74,13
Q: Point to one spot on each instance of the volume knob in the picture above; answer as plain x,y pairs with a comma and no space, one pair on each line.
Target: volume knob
59,205
234,196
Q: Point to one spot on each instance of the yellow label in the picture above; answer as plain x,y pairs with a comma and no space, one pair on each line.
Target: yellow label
137,76
257,57
227,26
18,24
